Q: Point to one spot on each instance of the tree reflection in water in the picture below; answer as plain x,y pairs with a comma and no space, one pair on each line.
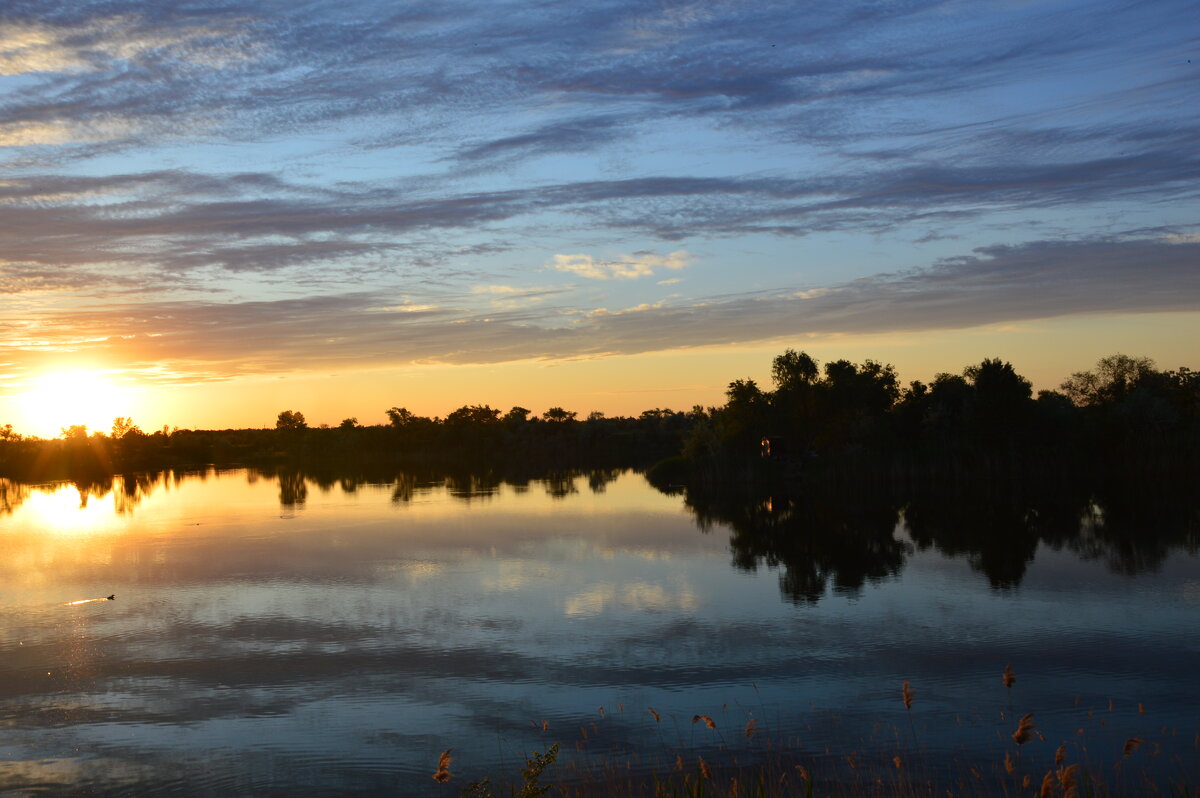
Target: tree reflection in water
844,539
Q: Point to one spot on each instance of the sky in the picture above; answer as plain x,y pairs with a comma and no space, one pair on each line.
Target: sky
213,211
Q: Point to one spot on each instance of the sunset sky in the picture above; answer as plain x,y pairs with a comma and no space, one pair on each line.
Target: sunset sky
213,211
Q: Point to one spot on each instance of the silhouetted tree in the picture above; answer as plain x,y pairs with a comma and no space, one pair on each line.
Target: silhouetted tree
558,414
1002,401
124,426
1113,378
793,369
290,420
400,417
468,415
517,415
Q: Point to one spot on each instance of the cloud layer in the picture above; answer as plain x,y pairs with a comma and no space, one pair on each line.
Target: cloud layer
330,182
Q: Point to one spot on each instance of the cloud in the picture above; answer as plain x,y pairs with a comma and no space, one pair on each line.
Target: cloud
573,129
625,267
569,136
998,284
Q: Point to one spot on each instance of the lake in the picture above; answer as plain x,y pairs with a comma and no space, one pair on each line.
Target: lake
277,633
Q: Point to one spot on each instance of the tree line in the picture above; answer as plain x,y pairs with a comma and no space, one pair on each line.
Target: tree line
838,417
1124,411
472,434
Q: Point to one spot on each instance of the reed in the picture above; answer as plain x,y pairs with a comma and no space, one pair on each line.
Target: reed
767,765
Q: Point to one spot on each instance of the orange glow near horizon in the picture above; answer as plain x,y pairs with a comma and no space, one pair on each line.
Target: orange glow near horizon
59,399
1045,351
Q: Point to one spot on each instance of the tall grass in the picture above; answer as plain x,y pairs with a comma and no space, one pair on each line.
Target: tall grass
771,765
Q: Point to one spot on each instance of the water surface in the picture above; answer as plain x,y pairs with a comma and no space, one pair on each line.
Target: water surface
277,634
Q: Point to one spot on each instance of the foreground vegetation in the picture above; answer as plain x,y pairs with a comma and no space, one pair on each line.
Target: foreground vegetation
844,418
1006,754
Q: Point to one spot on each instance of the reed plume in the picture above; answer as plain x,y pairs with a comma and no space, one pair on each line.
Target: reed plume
908,695
751,728
704,771
443,768
1047,790
709,722
1009,766
1068,780
1024,730
1131,745
654,714
1060,755
1009,676
897,761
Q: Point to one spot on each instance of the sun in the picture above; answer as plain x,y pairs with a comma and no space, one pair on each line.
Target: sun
59,399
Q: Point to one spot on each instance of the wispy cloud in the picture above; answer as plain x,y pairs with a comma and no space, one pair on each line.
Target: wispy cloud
350,182
624,267
1040,279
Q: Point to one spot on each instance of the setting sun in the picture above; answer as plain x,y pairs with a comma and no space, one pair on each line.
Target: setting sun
62,398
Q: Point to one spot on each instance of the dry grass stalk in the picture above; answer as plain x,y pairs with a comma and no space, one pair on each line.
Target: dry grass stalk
1009,676
1009,766
1131,745
704,771
1047,790
545,725
1024,730
1068,780
908,695
803,772
653,714
751,728
709,722
443,768
1060,755
678,762
1026,782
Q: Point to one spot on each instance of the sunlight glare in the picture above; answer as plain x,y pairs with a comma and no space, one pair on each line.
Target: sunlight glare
66,510
60,399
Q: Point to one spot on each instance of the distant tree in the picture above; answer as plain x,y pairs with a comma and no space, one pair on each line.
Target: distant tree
518,415
1113,378
473,415
1003,400
124,426
744,393
558,414
75,432
793,369
290,420
348,423
400,416
7,433
595,415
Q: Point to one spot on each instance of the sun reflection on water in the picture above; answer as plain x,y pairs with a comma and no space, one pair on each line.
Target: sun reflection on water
70,510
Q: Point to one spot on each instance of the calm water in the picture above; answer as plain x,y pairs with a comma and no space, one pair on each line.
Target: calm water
276,635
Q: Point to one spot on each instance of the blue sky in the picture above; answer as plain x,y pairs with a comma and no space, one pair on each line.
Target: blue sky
217,191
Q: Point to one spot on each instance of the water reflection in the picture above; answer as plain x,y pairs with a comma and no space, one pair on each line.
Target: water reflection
390,616
814,542
843,540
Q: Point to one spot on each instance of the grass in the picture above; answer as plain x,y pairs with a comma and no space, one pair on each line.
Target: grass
759,765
